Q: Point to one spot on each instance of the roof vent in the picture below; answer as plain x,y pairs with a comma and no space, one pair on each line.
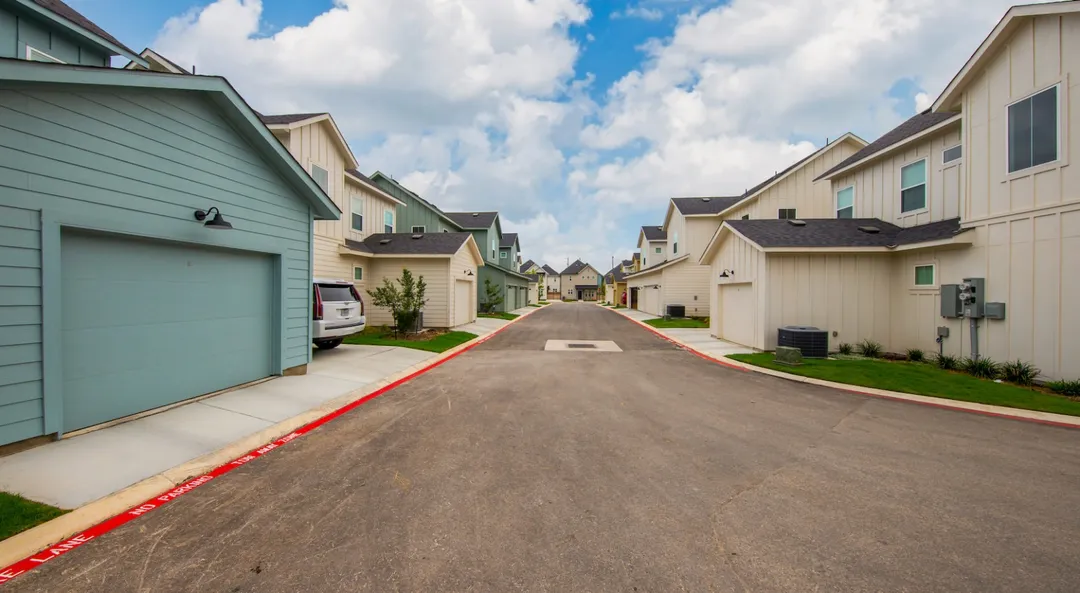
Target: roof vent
383,241
476,214
418,236
794,222
873,230
705,199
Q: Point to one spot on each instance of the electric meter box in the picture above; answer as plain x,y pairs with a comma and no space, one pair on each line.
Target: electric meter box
950,301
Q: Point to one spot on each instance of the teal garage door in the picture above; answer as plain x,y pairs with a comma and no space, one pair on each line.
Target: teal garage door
150,323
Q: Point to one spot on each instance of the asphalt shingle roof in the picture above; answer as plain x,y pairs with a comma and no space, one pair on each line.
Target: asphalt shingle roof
654,233
550,270
841,232
69,13
574,268
920,122
472,220
616,274
705,205
525,266
286,118
508,240
405,244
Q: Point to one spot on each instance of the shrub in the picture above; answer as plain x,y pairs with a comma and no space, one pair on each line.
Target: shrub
846,348
1070,388
947,362
982,367
871,349
915,355
1019,372
404,297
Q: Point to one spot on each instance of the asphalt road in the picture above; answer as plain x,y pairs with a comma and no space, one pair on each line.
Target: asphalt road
514,469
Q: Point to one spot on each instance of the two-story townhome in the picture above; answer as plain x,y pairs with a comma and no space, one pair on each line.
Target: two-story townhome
366,245
978,187
486,228
652,244
552,282
537,280
155,237
509,250
615,291
580,281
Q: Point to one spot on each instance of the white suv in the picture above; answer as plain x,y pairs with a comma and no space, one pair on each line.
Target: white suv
337,311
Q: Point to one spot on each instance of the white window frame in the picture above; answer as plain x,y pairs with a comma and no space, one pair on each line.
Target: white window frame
659,250
914,276
312,168
504,254
353,201
354,269
794,213
675,244
1061,160
955,162
925,184
393,223
30,51
423,228
836,200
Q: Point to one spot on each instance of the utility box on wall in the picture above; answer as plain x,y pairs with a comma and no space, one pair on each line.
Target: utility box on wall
950,301
973,297
995,310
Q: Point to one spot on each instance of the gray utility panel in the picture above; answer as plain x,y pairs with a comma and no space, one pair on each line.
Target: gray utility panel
994,310
951,306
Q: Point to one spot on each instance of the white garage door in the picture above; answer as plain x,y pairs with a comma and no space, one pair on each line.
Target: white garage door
463,310
650,300
737,302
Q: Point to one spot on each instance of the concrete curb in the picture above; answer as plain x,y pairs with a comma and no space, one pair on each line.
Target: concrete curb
1047,418
32,541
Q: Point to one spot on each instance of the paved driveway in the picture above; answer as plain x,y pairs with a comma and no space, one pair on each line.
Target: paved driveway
515,469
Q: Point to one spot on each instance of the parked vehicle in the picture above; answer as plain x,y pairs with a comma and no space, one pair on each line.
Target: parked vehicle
337,312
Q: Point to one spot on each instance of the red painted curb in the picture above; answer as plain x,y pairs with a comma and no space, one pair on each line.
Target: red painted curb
59,549
684,346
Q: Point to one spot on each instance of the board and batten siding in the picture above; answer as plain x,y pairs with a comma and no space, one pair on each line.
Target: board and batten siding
877,185
436,273
18,31
21,410
133,162
462,267
798,190
686,283
745,260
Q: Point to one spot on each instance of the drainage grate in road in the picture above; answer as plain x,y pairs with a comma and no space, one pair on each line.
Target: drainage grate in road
582,345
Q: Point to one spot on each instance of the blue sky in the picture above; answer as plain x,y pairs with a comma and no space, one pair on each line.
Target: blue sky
576,119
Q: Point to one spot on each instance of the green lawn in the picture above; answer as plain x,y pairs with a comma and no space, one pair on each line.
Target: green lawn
920,379
506,316
689,322
378,336
535,305
18,514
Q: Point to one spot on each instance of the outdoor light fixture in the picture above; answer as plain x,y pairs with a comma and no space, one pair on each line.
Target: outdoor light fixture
469,273
727,273
217,222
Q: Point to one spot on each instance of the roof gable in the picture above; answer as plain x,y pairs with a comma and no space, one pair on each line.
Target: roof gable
59,13
359,178
653,233
162,63
915,127
293,121
217,89
575,268
704,205
509,240
381,179
550,270
473,221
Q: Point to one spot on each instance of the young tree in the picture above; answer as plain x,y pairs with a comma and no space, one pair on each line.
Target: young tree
493,296
404,297
602,292
540,290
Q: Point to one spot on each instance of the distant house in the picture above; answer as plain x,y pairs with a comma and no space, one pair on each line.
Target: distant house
615,282
580,281
156,62
155,238
537,280
502,272
652,245
553,283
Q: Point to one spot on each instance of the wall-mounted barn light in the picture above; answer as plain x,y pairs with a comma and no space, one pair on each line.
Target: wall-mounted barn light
217,222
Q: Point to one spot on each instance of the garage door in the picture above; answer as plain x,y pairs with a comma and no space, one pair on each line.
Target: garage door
737,301
148,323
463,311
650,300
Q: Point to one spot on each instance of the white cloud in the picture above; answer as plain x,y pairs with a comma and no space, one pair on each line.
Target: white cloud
923,102
638,12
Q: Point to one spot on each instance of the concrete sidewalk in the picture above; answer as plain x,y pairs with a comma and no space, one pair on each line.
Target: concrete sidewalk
486,325
74,471
698,339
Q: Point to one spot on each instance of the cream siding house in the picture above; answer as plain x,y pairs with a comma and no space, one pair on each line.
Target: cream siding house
352,248
552,282
652,244
580,281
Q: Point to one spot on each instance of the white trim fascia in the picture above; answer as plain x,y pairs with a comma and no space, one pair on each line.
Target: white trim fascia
892,148
372,187
657,268
950,97
350,161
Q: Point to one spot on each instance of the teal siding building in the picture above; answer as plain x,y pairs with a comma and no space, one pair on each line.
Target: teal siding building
51,31
417,215
487,231
115,298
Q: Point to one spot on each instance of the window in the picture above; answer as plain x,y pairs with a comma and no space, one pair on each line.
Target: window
845,202
786,214
357,273
746,217
952,154
321,177
1033,130
659,249
503,254
419,229
494,248
913,186
924,275
357,215
388,221
36,55
675,245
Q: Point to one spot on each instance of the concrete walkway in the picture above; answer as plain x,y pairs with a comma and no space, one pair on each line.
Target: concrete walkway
72,472
698,339
486,325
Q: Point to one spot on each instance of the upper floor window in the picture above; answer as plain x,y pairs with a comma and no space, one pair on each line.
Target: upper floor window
358,273
494,248
321,177
419,229
659,249
924,275
1033,130
675,245
357,216
786,214
503,255
913,186
845,202
36,55
952,154
388,221
746,217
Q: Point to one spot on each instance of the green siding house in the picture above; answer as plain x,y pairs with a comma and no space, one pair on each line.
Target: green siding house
51,31
487,231
117,293
415,215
